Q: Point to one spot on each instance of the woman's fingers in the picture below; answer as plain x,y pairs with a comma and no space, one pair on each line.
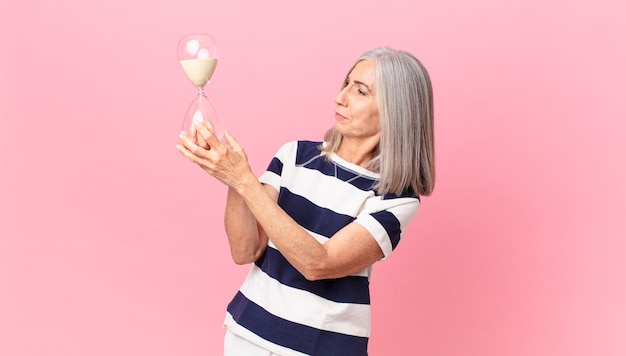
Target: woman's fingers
202,142
232,143
195,154
185,152
206,132
191,147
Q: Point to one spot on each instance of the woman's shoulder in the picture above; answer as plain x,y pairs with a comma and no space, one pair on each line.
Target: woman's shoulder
298,151
308,145
301,147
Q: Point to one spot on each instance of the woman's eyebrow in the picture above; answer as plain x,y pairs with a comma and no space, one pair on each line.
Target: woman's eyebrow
361,83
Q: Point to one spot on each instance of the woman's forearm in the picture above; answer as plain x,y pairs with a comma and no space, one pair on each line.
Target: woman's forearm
300,248
349,251
247,243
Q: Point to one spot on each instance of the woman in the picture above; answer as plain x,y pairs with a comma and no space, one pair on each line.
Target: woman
320,216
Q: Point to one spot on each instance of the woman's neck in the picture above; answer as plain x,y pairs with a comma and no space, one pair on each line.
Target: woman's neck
357,152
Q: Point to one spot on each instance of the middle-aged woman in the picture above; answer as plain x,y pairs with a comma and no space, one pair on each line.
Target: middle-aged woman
316,221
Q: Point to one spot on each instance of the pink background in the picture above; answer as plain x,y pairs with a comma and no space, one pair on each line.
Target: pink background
112,244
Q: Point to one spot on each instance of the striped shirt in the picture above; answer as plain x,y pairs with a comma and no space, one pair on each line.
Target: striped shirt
276,307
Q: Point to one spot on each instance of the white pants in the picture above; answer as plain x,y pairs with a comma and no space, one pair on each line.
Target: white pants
235,345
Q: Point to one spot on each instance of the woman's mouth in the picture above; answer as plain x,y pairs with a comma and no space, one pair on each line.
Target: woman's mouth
338,116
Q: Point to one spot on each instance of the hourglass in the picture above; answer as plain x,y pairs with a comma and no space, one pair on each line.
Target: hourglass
198,58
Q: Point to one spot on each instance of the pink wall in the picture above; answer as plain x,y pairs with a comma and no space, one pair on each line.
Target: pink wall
112,244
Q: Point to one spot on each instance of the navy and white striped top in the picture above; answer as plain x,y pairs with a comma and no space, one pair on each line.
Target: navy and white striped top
276,307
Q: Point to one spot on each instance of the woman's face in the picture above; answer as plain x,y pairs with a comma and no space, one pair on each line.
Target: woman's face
357,110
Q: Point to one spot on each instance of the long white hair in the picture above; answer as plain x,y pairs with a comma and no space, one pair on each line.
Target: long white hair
405,156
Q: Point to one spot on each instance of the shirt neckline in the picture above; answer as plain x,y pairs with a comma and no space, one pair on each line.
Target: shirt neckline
353,167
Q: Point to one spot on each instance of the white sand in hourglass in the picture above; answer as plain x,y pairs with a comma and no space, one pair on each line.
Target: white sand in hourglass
199,71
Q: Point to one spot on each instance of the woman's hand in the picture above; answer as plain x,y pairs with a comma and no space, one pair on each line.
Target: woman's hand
225,160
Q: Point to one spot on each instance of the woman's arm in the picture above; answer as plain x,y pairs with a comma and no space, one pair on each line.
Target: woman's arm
246,238
350,250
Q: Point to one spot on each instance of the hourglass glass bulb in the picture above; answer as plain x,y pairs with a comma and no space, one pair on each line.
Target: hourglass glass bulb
201,109
198,57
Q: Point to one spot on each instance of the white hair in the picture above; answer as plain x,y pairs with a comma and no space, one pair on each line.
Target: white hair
405,157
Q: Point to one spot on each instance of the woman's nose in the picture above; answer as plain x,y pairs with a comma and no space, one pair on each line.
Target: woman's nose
341,97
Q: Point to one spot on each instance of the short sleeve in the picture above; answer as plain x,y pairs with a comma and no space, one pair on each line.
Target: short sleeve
387,218
272,176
